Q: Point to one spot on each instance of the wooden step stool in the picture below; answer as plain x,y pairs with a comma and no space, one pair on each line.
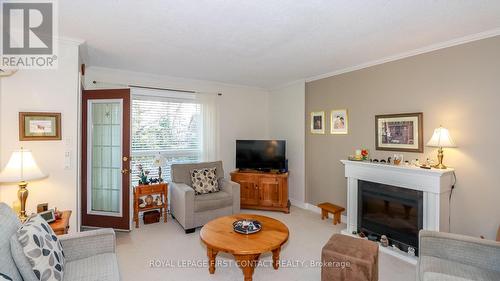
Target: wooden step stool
333,209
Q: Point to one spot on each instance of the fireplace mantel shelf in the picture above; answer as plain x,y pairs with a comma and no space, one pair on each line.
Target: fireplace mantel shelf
434,183
427,180
401,168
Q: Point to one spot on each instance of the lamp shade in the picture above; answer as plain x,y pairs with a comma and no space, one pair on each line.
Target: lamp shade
441,138
21,167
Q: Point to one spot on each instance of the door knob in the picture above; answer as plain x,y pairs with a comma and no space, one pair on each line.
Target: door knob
125,158
125,171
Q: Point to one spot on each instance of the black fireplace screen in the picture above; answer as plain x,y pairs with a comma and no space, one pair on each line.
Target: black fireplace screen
392,211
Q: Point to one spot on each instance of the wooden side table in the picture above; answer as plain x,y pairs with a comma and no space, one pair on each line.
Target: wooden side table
152,189
333,209
61,226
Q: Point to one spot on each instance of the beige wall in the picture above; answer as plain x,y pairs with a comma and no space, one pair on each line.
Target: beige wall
54,90
458,87
286,112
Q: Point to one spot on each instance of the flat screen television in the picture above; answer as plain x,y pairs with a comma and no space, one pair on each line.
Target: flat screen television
261,154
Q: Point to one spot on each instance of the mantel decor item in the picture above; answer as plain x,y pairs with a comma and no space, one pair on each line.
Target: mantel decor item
21,168
398,159
441,138
384,241
399,132
360,155
318,122
338,122
39,126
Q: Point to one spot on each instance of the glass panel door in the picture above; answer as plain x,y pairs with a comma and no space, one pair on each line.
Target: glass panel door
104,154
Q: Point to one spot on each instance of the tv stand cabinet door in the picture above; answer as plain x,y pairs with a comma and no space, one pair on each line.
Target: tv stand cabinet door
270,195
249,190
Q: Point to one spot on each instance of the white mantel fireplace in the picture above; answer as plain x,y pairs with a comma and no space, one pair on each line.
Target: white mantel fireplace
434,184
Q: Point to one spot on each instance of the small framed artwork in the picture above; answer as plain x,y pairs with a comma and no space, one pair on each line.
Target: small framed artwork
318,122
399,132
41,126
338,122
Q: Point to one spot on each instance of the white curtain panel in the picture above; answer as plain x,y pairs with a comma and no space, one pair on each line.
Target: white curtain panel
210,130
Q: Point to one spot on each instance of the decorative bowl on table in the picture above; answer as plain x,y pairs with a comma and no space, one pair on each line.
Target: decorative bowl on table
247,226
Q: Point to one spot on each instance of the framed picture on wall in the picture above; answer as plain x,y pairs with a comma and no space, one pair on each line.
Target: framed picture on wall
318,122
338,122
399,132
34,126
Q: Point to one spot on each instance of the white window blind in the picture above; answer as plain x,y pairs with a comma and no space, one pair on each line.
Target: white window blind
168,126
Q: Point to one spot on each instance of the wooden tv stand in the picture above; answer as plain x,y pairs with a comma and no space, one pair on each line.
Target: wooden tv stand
263,190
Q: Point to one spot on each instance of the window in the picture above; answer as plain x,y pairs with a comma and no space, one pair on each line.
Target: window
168,126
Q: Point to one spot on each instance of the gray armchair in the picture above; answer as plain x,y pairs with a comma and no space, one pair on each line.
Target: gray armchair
447,257
192,210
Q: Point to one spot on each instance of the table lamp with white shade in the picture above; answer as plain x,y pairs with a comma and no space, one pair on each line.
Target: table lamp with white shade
441,138
159,161
21,168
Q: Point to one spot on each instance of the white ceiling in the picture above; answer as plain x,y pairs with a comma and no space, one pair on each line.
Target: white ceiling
263,43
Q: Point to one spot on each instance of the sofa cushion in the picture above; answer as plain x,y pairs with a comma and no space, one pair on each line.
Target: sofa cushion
42,248
212,201
10,223
204,180
180,173
99,267
433,268
22,263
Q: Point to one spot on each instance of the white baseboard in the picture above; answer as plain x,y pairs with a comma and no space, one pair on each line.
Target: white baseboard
314,208
298,203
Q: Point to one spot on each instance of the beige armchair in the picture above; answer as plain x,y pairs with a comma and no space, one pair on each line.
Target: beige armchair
192,210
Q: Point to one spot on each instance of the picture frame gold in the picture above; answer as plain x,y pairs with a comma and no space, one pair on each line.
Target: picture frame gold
400,132
339,122
318,122
39,126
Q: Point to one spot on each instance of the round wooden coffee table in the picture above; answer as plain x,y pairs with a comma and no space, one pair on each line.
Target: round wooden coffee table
219,236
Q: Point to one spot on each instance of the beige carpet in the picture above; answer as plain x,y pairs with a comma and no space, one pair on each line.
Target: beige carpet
177,256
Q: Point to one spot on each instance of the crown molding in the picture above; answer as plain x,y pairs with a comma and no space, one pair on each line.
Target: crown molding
419,51
69,40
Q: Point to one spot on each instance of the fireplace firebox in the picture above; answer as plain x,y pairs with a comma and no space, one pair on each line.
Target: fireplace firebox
392,211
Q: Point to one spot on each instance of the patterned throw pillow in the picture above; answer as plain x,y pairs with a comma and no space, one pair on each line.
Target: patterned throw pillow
42,248
204,181
4,277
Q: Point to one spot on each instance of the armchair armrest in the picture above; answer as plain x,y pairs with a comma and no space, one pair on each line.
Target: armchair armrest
459,248
88,243
232,188
182,204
